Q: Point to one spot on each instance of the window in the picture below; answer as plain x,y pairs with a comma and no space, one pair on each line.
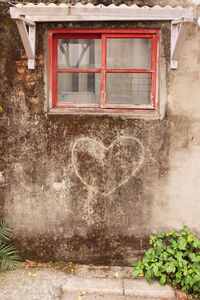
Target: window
103,71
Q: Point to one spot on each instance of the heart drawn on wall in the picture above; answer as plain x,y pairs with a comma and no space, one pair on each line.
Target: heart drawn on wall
104,169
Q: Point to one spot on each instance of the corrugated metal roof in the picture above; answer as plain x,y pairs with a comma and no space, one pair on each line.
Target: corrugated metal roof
80,12
90,5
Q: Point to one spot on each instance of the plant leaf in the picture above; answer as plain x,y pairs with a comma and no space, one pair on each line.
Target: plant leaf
162,279
148,276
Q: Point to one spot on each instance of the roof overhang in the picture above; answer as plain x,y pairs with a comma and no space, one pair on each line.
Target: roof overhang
27,16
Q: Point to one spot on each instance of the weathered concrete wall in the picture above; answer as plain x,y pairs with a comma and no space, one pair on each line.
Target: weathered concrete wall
92,188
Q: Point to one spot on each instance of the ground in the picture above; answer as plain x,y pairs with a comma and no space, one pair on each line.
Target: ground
68,281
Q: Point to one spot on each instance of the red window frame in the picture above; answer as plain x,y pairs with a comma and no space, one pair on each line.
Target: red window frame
103,34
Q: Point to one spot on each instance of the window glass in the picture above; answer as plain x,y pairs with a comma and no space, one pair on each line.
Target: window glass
128,88
78,87
127,53
104,71
79,53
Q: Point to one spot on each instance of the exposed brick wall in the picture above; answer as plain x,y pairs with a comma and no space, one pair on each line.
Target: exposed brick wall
26,79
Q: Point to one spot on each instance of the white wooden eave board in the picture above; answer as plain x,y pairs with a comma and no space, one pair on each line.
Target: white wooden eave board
29,14
66,12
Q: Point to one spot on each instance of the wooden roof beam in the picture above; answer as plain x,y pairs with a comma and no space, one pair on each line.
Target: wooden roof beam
178,32
28,40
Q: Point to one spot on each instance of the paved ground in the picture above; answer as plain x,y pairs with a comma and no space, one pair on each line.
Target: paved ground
70,282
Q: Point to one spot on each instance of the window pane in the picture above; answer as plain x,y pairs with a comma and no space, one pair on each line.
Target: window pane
79,53
79,87
128,88
129,53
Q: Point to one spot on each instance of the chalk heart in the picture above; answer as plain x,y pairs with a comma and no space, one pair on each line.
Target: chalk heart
105,168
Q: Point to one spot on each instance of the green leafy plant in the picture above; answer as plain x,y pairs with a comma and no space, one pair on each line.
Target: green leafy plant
174,258
8,255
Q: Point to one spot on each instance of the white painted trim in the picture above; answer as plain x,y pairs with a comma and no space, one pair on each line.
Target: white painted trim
32,34
27,21
178,32
198,21
28,39
53,13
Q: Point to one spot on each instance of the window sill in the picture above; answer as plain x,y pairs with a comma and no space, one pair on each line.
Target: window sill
123,113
